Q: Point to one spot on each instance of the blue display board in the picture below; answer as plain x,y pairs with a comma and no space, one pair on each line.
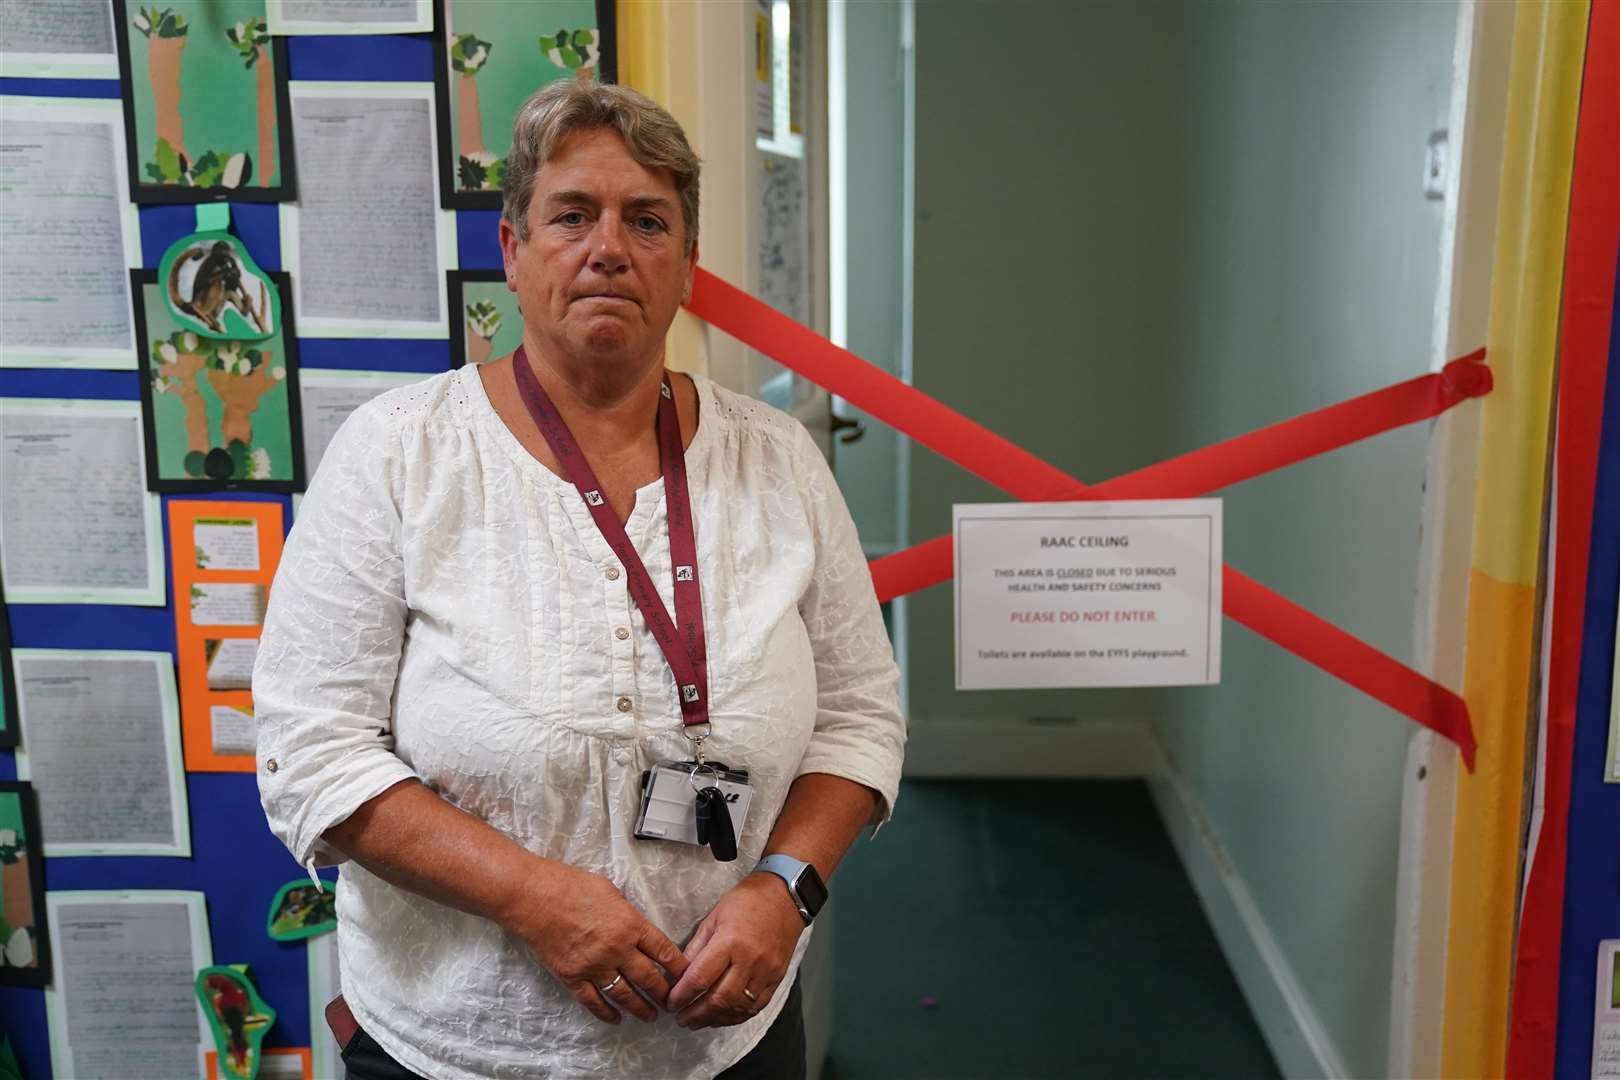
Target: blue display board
1592,873
235,861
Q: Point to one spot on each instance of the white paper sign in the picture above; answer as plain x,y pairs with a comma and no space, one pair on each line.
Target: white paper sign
1079,594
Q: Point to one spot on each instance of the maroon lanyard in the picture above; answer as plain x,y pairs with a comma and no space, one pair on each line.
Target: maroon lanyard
689,663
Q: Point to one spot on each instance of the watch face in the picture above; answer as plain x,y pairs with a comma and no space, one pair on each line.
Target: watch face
812,891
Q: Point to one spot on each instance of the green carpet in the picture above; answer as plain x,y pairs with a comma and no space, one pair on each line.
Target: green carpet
1054,927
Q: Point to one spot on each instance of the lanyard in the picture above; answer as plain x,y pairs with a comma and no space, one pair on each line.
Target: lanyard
687,658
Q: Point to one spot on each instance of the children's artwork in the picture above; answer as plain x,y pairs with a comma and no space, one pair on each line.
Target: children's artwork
300,910
277,1063
8,681
238,1016
225,555
9,1068
488,324
205,102
490,55
25,952
219,415
215,289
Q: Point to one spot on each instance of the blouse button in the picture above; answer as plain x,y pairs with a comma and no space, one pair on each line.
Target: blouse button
271,765
613,573
624,704
621,632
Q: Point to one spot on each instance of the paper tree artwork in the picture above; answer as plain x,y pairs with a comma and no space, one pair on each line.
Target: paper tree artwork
491,324
575,50
476,168
252,42
493,55
24,952
238,1016
219,414
202,101
483,323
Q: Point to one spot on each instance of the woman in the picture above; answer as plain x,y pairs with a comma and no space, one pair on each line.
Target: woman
514,589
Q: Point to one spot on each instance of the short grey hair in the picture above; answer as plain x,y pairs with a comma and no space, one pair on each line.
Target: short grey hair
568,106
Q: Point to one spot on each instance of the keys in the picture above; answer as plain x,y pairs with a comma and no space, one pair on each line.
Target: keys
714,828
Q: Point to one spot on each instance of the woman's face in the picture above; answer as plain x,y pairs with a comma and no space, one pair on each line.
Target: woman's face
605,267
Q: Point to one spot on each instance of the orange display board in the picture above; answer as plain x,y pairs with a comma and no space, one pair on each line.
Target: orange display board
223,556
278,1063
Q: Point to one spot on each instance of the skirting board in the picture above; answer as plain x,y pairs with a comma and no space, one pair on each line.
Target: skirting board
977,747
1290,1026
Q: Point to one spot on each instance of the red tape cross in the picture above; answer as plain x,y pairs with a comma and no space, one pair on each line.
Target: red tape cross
1025,476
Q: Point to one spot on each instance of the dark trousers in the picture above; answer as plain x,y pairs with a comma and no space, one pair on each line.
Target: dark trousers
777,1056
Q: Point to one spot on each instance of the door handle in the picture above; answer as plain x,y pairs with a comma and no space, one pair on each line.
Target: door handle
852,430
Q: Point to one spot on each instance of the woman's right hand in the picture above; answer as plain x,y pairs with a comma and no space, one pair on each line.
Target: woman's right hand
586,933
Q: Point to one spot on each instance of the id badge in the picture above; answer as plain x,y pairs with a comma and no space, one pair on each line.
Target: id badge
671,794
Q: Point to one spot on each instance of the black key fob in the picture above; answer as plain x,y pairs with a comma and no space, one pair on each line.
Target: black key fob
705,813
714,824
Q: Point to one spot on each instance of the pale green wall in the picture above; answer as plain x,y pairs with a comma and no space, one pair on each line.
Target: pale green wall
1145,227
874,179
1049,190
1308,274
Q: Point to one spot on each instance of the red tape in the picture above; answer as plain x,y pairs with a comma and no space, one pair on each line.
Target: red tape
1026,476
1243,458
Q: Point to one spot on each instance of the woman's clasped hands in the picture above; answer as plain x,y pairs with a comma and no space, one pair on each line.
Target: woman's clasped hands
580,926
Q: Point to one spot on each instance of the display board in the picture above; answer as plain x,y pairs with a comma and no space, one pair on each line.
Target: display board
156,113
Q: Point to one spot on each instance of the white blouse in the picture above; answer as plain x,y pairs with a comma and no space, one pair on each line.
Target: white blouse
446,609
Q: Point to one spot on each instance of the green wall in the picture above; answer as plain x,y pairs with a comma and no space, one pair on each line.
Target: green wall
1145,227
1049,195
1308,275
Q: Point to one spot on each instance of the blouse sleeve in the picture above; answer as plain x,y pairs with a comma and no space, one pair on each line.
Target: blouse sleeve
860,733
323,681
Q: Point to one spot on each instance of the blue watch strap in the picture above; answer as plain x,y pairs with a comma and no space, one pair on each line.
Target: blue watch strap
788,869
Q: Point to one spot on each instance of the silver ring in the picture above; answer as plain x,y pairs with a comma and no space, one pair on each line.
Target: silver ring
616,980
749,994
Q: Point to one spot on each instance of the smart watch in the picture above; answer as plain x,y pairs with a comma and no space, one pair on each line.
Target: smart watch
803,883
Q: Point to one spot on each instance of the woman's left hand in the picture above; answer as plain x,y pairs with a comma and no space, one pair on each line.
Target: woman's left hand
745,943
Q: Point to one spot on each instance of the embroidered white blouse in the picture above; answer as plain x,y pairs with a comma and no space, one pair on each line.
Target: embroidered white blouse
446,609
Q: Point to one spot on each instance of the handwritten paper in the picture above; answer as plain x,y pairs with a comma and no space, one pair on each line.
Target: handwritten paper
63,39
1606,1013
68,230
233,729
229,544
349,16
327,397
230,662
77,525
227,605
123,993
101,744
367,243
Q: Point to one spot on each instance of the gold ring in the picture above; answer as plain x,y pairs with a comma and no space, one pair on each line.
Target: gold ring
612,984
749,994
